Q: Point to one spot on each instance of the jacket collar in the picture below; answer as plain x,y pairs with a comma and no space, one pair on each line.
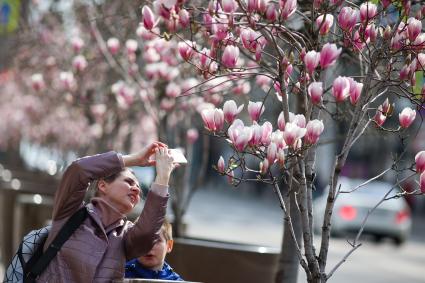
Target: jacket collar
165,273
110,217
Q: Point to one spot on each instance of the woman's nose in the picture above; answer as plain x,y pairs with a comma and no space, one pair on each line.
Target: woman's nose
135,188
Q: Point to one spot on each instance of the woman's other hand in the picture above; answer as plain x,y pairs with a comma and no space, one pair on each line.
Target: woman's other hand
164,166
145,156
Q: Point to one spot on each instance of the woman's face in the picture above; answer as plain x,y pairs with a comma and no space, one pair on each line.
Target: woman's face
123,193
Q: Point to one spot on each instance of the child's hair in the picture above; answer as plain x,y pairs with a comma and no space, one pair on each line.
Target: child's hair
167,230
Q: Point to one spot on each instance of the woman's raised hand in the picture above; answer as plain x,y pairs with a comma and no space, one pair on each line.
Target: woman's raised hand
164,166
145,156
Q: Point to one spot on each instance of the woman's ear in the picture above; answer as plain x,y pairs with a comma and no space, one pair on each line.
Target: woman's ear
101,186
170,244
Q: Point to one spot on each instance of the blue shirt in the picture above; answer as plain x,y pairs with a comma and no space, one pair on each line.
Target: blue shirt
133,269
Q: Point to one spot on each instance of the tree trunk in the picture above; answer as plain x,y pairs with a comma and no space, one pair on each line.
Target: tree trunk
288,265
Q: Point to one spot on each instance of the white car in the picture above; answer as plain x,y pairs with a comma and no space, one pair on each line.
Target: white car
391,219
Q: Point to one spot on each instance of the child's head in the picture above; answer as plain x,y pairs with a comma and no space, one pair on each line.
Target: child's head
154,259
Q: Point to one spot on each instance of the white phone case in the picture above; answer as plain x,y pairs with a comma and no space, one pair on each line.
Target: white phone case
177,155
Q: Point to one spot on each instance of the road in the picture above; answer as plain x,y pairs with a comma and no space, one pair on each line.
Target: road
235,216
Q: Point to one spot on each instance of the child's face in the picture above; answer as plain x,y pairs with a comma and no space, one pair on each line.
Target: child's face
155,258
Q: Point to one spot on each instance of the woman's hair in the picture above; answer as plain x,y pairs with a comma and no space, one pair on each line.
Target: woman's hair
109,179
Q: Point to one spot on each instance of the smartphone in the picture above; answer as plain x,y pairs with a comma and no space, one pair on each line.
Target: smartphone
177,155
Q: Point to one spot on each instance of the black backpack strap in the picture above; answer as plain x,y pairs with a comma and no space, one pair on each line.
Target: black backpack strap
64,233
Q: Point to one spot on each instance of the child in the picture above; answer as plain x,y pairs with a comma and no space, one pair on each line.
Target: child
153,265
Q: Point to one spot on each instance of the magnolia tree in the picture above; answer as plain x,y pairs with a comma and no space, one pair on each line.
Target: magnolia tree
292,51
100,84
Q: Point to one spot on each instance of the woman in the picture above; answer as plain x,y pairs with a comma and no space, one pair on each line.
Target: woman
98,249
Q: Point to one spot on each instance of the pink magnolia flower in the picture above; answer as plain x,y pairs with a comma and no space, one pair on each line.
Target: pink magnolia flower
358,43
419,42
262,5
370,32
131,45
406,117
98,110
220,165
230,56
317,3
368,11
151,55
241,88
264,166
113,45
192,135
252,5
148,18
271,152
385,3
315,91
347,18
213,119
314,130
271,14
184,18
185,49
298,119
379,117
231,177
324,22
229,6
336,2
386,106
257,133
420,62
281,157
67,80
250,39
329,55
77,44
396,41
145,34
239,135
79,63
267,131
311,60
293,133
288,8
255,109
420,161
341,88
234,129
230,110
37,82
404,72
219,28
422,182
277,138
262,81
414,28
355,90
172,90
281,121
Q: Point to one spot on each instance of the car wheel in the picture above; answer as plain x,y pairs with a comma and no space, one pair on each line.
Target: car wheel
377,238
398,241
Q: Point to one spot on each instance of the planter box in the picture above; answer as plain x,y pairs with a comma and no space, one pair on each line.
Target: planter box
222,262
